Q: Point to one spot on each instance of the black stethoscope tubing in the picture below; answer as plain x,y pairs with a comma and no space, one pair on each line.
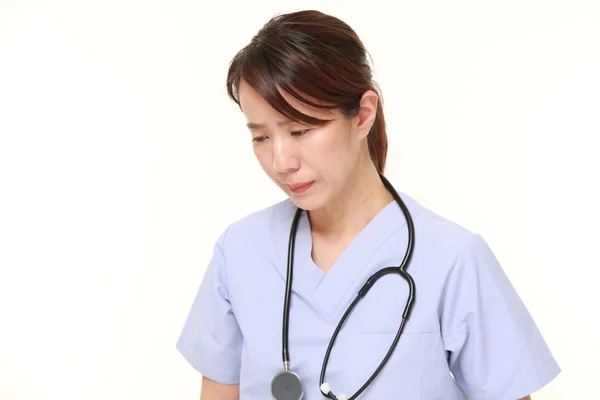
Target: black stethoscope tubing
401,270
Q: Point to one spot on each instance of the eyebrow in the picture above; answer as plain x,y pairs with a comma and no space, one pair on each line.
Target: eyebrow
255,126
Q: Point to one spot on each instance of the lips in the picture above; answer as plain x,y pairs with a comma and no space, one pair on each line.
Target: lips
299,187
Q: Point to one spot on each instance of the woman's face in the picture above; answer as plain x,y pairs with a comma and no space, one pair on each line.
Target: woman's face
311,164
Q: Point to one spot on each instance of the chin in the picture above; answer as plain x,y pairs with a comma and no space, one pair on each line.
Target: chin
308,203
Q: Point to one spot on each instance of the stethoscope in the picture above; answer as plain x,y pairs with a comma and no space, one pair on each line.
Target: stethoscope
287,385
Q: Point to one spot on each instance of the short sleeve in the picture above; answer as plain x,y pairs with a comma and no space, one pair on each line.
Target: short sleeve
496,351
211,340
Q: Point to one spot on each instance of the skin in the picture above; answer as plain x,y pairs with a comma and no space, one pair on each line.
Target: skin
346,192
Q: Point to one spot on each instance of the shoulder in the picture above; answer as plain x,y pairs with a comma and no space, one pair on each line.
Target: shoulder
258,227
445,235
462,258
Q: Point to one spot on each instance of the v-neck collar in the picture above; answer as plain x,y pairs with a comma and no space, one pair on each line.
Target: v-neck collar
327,289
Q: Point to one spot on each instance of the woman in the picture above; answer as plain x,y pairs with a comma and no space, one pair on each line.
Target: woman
318,131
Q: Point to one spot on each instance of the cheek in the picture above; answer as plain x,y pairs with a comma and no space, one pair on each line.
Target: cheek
332,151
260,151
264,158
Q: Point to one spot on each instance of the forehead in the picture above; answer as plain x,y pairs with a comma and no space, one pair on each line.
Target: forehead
257,109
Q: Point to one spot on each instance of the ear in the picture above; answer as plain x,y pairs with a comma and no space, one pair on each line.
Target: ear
367,113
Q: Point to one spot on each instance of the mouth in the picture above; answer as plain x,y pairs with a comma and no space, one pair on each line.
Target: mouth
300,187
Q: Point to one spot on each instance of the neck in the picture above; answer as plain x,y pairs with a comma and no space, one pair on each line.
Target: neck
348,214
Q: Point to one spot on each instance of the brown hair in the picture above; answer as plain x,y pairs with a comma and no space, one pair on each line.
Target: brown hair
318,55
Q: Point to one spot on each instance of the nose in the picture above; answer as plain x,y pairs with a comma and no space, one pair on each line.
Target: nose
284,157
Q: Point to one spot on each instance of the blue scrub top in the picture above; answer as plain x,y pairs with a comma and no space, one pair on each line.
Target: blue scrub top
469,332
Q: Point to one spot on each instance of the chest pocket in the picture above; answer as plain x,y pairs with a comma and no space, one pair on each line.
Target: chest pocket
412,371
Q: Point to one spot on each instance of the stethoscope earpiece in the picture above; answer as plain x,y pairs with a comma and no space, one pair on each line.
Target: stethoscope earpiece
326,390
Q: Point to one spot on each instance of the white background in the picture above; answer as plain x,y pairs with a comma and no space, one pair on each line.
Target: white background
121,160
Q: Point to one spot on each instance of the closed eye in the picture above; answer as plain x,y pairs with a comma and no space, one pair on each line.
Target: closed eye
300,133
259,139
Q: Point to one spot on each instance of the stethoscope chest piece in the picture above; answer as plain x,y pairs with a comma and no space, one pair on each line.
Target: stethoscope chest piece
287,385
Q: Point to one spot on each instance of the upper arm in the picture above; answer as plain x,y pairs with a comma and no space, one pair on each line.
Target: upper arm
496,350
212,390
211,339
